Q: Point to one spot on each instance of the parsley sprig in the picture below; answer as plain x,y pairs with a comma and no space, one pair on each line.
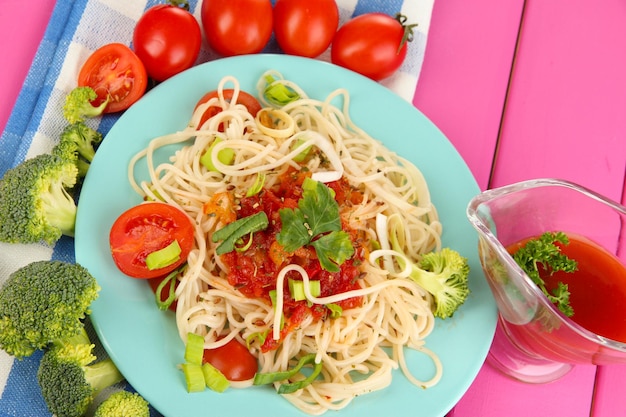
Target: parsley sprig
316,222
544,252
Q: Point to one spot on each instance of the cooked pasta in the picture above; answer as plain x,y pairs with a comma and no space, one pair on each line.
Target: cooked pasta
383,312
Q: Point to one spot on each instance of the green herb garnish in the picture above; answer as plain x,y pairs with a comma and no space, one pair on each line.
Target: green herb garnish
544,252
316,222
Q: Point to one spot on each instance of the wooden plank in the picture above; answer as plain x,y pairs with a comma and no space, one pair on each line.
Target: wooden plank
565,118
567,103
493,395
465,74
609,399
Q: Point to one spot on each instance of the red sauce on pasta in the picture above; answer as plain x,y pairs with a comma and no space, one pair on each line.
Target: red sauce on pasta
254,271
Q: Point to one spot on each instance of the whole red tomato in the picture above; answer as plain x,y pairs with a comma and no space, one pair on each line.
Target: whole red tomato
167,39
237,27
372,44
305,27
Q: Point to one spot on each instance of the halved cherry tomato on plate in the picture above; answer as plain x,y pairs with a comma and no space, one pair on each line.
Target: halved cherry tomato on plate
248,100
234,360
167,39
116,73
147,228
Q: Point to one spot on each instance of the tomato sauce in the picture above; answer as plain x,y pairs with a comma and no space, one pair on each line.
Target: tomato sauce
254,271
597,289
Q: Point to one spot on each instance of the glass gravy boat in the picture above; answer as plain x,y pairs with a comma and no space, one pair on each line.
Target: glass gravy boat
534,341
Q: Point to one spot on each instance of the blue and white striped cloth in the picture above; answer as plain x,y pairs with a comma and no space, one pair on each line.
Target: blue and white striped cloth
76,28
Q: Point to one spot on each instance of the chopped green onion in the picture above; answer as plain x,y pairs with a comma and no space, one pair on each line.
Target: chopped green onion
156,195
214,379
164,257
226,156
260,336
246,246
272,294
194,349
234,231
303,154
271,377
257,186
194,377
335,310
171,280
295,386
296,289
279,94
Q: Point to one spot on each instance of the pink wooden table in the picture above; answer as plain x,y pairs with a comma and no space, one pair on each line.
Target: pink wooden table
523,89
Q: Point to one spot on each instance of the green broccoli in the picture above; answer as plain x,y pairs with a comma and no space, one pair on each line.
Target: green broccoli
123,404
444,274
78,142
35,200
70,377
44,302
78,105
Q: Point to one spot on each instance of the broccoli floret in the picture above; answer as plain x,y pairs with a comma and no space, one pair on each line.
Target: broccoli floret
443,274
78,105
78,142
44,302
123,404
70,377
35,200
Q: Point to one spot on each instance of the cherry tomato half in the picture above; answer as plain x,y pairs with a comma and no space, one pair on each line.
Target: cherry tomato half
248,100
234,360
146,228
237,27
114,71
305,27
372,44
167,39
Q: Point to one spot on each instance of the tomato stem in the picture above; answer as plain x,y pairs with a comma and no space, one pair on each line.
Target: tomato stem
183,4
408,30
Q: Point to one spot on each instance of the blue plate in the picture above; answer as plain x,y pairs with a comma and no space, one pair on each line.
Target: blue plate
144,342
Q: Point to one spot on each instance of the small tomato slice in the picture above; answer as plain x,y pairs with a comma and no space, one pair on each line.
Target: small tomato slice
116,73
233,360
372,44
146,228
167,39
248,100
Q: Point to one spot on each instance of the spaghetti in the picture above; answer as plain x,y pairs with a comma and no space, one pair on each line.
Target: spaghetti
381,312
